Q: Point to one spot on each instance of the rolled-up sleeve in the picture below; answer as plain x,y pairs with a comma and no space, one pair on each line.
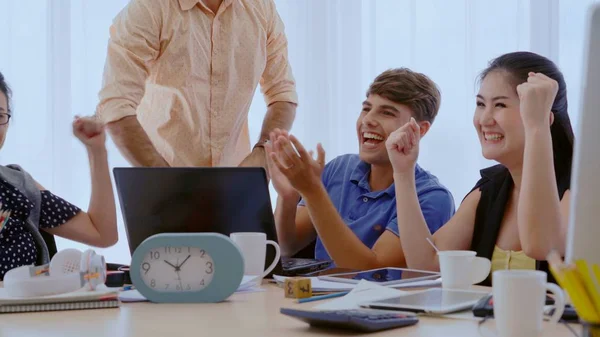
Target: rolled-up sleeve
134,43
277,82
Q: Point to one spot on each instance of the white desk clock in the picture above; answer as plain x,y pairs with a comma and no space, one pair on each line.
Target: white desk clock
187,268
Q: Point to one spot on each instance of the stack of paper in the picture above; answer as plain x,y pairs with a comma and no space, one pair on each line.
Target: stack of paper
103,297
319,285
364,291
131,296
249,284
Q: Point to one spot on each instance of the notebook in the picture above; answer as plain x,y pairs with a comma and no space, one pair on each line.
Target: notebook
78,300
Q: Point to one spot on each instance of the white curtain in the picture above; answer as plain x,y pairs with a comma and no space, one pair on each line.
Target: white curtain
52,53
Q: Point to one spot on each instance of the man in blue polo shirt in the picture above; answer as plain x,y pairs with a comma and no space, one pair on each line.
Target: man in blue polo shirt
349,205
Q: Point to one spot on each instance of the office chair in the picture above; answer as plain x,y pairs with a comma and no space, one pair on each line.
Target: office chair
50,242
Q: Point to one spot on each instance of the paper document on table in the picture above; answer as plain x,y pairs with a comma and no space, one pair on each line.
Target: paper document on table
419,284
364,291
248,285
319,285
247,282
131,296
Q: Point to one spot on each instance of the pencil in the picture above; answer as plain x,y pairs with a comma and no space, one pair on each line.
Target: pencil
579,296
596,270
322,297
588,281
568,278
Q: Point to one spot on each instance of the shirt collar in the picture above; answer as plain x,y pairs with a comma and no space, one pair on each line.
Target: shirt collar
360,176
186,5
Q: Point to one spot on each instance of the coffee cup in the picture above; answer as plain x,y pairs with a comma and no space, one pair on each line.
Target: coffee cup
461,269
253,246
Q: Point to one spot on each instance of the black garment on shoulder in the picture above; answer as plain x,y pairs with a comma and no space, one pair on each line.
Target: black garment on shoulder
496,185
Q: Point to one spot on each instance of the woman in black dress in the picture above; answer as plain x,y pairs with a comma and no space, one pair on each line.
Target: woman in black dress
518,211
35,208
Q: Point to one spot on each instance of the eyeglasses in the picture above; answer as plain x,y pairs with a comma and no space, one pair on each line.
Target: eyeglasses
4,118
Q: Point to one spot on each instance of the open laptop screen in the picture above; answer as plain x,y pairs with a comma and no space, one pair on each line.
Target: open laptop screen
187,200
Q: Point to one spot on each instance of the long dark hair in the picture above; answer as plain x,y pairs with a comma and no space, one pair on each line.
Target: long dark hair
5,89
518,65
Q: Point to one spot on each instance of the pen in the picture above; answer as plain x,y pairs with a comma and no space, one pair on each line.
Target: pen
322,297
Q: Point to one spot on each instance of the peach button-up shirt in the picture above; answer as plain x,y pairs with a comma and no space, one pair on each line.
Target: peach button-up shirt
190,75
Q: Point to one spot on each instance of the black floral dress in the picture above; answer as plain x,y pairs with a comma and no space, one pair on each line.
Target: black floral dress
17,246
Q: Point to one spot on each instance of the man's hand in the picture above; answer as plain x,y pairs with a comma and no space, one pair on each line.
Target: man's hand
280,182
298,165
258,158
280,115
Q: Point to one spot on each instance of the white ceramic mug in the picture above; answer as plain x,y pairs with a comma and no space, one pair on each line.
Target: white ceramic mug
519,299
254,250
461,269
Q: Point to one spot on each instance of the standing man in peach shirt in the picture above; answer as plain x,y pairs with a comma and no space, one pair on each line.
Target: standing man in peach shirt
180,76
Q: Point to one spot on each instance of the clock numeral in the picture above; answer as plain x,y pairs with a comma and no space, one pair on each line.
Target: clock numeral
146,267
155,255
167,286
188,287
189,250
178,287
169,250
202,253
209,267
202,282
153,283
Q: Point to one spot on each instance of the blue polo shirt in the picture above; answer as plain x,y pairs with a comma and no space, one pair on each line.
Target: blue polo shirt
370,213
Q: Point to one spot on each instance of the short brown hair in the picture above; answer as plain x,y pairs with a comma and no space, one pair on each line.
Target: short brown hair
415,90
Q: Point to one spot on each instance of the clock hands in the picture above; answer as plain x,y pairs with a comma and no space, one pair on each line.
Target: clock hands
179,279
179,266
170,264
178,276
179,269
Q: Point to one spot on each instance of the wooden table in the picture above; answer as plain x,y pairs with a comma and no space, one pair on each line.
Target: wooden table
249,314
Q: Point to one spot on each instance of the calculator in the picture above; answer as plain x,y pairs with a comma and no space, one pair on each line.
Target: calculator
361,320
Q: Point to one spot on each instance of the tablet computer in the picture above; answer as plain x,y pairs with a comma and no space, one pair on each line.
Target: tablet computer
382,276
432,301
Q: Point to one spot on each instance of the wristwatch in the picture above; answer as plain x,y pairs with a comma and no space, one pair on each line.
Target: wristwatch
261,143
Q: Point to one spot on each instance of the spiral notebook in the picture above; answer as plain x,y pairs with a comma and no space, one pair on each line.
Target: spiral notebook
78,300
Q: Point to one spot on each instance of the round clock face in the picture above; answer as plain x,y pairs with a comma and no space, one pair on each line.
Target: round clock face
177,269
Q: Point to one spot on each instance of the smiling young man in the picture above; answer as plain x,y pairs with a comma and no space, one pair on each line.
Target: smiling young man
349,205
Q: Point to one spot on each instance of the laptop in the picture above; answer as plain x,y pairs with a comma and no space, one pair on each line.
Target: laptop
201,199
